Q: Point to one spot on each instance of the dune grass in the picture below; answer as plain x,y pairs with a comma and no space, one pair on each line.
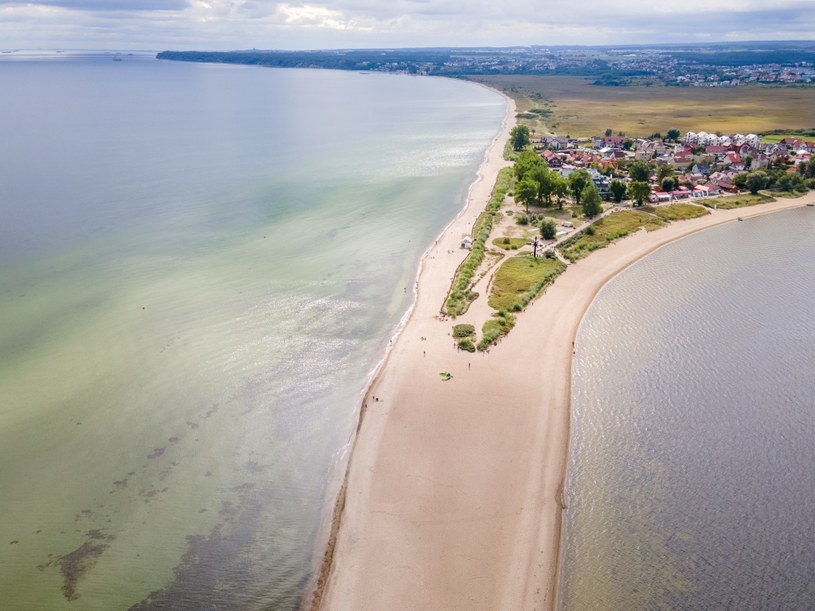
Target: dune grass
461,295
677,212
495,328
609,228
520,279
737,201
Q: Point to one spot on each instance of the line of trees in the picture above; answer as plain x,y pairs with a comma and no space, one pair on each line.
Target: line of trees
778,178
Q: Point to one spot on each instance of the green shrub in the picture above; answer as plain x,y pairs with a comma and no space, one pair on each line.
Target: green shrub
463,330
522,219
466,344
495,328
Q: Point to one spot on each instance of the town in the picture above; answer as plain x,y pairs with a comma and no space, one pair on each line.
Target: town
695,166
693,65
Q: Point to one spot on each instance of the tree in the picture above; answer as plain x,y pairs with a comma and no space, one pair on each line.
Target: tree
627,144
791,182
807,170
548,229
668,184
639,171
546,183
527,163
578,180
560,188
519,136
608,132
672,134
756,181
740,180
526,191
639,191
665,171
617,188
590,197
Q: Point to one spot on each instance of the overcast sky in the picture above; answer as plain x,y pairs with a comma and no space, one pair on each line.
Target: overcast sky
321,24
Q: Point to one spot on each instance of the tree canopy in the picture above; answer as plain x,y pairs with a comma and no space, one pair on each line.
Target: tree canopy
617,188
639,171
639,191
756,181
519,136
578,180
526,191
590,197
526,163
548,229
664,171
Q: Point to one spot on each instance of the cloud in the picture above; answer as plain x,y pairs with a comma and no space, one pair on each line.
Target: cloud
293,24
106,5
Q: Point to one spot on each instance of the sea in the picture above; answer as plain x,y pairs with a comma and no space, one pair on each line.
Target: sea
690,475
200,269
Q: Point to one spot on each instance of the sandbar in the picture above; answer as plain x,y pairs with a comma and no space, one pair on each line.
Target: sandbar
453,494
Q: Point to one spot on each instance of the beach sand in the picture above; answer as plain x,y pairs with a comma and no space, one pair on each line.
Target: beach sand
453,493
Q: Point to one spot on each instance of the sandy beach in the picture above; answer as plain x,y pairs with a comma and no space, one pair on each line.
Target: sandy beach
453,493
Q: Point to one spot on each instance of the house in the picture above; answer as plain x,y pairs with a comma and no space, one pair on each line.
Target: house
716,150
466,242
734,160
802,156
614,141
681,193
700,191
552,159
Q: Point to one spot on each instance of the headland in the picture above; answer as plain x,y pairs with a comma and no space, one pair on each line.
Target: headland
453,495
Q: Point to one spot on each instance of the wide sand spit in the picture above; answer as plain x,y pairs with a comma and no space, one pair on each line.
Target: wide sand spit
453,496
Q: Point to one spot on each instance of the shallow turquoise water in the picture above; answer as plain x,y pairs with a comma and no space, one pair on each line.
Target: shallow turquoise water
201,265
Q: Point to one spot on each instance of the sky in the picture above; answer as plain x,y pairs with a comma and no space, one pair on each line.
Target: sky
332,24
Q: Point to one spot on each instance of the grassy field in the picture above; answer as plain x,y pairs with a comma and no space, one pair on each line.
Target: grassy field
608,229
677,212
737,201
573,106
776,138
520,279
510,243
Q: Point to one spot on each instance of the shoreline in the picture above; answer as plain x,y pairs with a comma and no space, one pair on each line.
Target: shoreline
452,495
485,179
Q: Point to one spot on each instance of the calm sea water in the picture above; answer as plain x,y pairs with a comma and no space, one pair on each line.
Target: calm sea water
691,481
201,265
